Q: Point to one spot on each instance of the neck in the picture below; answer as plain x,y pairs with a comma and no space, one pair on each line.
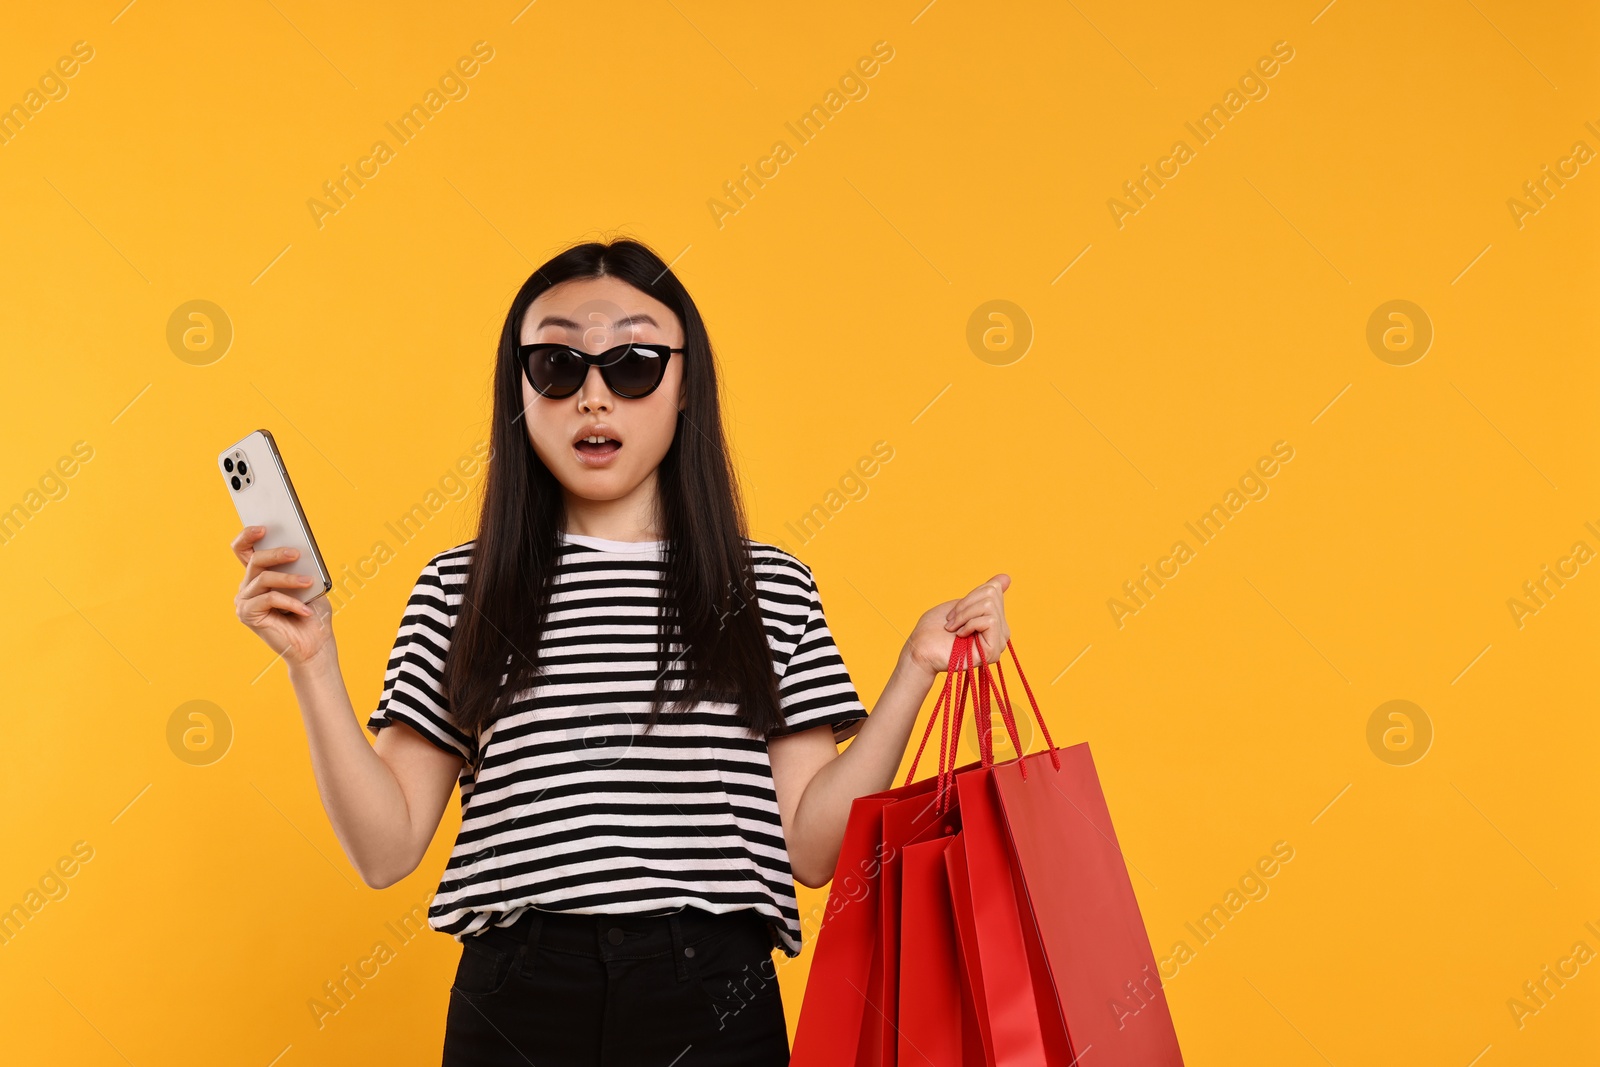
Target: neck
628,518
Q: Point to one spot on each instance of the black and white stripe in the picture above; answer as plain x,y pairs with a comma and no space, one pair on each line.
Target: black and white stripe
575,808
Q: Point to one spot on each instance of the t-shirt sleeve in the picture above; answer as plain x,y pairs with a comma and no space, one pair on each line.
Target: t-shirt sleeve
413,685
815,686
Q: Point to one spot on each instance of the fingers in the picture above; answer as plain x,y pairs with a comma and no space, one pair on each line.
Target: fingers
967,625
257,607
264,558
987,598
255,559
266,580
243,544
992,636
991,639
982,612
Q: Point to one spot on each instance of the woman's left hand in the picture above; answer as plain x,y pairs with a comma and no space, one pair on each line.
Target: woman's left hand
981,611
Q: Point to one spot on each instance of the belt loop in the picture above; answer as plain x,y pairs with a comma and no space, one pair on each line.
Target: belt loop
526,950
535,928
677,947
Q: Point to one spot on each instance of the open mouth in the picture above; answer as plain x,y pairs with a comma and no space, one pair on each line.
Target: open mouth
598,445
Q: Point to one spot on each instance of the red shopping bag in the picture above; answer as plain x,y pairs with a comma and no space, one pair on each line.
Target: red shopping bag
931,1020
847,1016
842,989
921,1022
1020,1022
924,999
1034,923
1082,901
1024,1022
974,1003
1089,953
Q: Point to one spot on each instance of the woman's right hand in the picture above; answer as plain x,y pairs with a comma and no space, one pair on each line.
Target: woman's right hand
297,631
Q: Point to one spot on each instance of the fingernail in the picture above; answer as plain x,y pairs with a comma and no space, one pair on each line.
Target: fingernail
291,554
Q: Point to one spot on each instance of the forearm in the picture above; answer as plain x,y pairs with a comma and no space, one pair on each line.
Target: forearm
361,795
868,765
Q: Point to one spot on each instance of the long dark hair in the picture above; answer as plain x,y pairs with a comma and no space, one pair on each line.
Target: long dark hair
710,585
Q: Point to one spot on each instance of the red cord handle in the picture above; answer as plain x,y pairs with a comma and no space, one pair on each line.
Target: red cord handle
941,714
949,711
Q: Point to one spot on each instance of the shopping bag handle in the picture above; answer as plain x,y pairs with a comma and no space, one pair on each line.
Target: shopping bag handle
986,687
958,655
948,713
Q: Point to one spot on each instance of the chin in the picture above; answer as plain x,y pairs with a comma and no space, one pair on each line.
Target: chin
599,485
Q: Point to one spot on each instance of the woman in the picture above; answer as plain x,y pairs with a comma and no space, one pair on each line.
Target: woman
637,799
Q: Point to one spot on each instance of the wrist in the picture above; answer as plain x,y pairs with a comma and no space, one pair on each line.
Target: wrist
322,665
908,667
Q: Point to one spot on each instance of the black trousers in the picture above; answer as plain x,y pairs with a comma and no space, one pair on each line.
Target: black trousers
681,989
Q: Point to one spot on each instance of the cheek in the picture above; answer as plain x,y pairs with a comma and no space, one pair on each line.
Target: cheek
663,421
533,423
657,432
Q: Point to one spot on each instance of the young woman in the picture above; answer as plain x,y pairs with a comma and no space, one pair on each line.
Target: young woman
641,705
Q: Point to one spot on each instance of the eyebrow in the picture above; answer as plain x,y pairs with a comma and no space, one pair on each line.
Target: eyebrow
628,320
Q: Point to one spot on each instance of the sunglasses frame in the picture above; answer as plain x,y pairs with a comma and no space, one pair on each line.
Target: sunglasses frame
604,360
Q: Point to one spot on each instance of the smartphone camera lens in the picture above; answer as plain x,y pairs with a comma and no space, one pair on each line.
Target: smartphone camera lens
236,483
227,465
241,468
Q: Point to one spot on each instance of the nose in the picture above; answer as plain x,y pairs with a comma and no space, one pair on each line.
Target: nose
593,395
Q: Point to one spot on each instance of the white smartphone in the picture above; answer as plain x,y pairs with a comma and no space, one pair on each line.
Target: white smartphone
259,483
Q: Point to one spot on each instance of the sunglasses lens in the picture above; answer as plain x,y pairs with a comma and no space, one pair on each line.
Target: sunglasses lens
555,371
636,372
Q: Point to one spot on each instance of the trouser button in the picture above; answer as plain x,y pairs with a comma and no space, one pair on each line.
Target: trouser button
614,935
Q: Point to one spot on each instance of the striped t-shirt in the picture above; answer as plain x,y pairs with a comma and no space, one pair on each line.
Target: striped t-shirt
574,807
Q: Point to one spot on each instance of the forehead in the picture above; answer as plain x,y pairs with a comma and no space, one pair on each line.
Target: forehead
604,303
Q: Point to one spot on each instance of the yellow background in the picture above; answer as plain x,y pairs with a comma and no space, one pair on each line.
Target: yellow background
1228,314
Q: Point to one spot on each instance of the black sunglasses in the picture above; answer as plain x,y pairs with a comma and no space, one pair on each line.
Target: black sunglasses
632,370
